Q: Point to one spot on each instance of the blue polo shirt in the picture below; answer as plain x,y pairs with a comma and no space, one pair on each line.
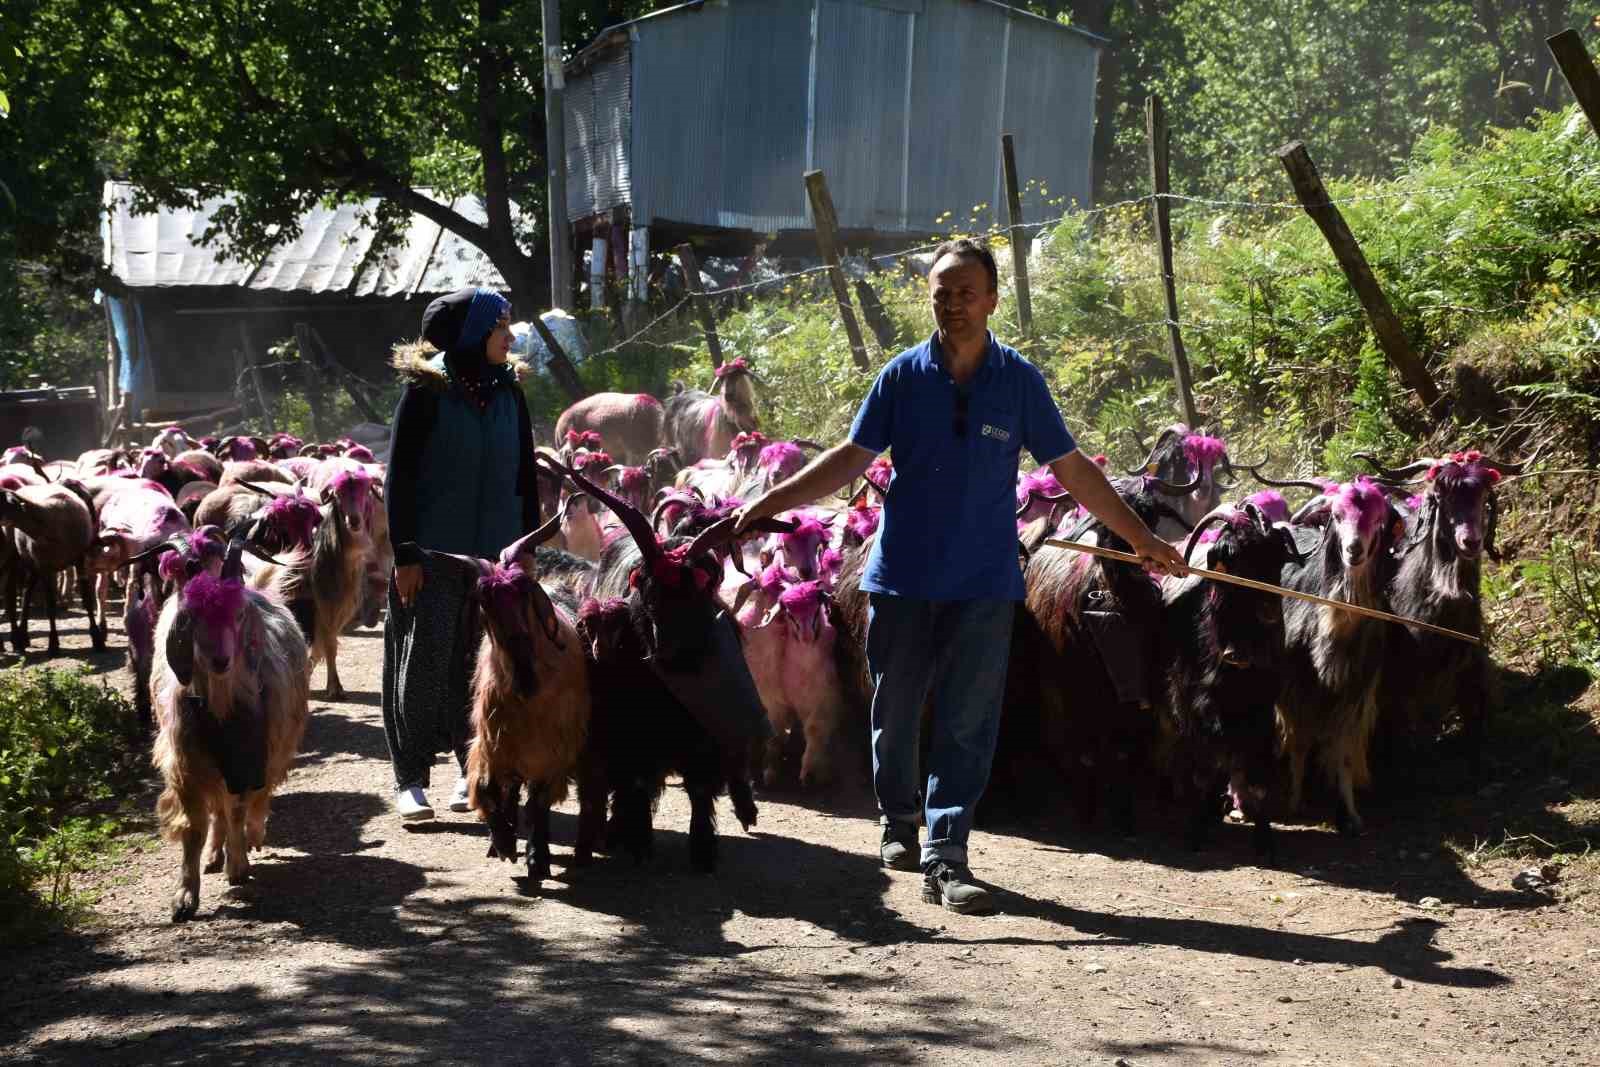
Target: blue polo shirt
949,529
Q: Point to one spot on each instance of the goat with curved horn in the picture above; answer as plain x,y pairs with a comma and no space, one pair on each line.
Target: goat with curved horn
721,532
1394,474
1046,498
1289,483
1169,432
637,525
1221,514
1174,488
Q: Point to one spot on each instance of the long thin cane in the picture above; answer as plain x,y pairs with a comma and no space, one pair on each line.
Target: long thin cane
1266,587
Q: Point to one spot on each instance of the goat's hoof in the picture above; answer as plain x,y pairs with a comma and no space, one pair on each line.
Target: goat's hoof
185,902
539,872
213,863
240,876
336,693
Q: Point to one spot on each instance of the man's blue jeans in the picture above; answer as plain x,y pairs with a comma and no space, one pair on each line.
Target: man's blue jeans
957,651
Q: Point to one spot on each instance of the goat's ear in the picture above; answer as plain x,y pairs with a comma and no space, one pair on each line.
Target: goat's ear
1397,528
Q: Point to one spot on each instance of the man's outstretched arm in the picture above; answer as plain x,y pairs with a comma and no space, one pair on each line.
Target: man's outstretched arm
832,470
1087,483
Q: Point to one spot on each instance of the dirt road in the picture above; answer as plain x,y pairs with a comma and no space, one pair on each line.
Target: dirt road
362,941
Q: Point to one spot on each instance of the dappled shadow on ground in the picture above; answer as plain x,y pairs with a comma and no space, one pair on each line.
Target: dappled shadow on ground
1544,752
469,977
332,734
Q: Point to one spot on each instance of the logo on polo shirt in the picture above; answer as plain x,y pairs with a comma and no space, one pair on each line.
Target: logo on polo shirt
996,432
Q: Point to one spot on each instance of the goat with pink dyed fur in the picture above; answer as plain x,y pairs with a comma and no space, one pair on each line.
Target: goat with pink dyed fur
1328,704
702,425
229,685
632,425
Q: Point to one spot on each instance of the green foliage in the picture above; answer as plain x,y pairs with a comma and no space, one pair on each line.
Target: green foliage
68,756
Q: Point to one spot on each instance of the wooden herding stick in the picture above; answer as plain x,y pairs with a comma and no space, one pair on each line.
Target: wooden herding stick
1266,587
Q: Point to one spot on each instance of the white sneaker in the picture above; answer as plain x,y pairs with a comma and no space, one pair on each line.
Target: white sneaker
458,799
411,804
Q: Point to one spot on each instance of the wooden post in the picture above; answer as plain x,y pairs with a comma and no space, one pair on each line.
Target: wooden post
327,361
1159,140
877,317
1385,324
708,320
1019,239
313,380
1578,69
555,154
255,373
827,223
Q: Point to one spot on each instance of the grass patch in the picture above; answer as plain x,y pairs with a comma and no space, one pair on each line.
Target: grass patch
70,761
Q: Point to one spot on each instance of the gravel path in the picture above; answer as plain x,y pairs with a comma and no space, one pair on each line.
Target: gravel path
362,941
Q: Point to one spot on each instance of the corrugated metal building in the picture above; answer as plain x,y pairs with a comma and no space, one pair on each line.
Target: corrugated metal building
700,120
180,313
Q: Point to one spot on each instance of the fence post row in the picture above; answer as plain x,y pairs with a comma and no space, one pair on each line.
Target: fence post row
1386,325
1159,140
1578,69
697,299
1019,247
827,223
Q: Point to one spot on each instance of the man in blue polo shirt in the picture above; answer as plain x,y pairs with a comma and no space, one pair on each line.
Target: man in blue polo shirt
943,576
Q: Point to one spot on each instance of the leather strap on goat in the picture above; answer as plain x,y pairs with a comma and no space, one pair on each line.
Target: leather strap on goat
1267,587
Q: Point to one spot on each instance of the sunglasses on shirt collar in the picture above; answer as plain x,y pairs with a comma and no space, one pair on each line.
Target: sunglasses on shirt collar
958,423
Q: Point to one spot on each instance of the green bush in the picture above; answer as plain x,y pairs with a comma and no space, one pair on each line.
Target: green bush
68,754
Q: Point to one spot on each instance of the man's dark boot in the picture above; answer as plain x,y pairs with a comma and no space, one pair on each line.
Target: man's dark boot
899,848
951,885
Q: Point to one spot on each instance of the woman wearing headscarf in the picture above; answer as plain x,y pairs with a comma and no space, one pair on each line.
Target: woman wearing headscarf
461,480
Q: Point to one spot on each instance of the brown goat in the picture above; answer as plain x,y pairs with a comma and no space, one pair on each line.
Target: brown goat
530,701
229,685
50,530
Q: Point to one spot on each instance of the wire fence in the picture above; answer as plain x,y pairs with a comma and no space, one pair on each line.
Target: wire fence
1086,217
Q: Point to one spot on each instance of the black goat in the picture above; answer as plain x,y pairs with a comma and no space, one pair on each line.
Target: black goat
1328,703
671,691
1425,676
1227,649
1087,645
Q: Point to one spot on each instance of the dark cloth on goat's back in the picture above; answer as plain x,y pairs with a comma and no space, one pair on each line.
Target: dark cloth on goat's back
428,657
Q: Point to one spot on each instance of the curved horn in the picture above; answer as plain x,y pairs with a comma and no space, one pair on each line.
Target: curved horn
655,516
1394,474
1291,483
171,544
1217,514
233,562
1257,516
1048,498
524,545
721,532
1286,532
1303,516
253,487
1173,488
1511,468
807,443
1151,458
643,535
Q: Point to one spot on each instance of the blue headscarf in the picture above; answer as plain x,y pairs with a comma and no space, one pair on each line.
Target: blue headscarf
487,308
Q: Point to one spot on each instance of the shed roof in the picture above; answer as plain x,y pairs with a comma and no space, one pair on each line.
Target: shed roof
161,249
618,34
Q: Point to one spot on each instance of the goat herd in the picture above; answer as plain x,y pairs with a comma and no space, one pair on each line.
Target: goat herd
654,642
